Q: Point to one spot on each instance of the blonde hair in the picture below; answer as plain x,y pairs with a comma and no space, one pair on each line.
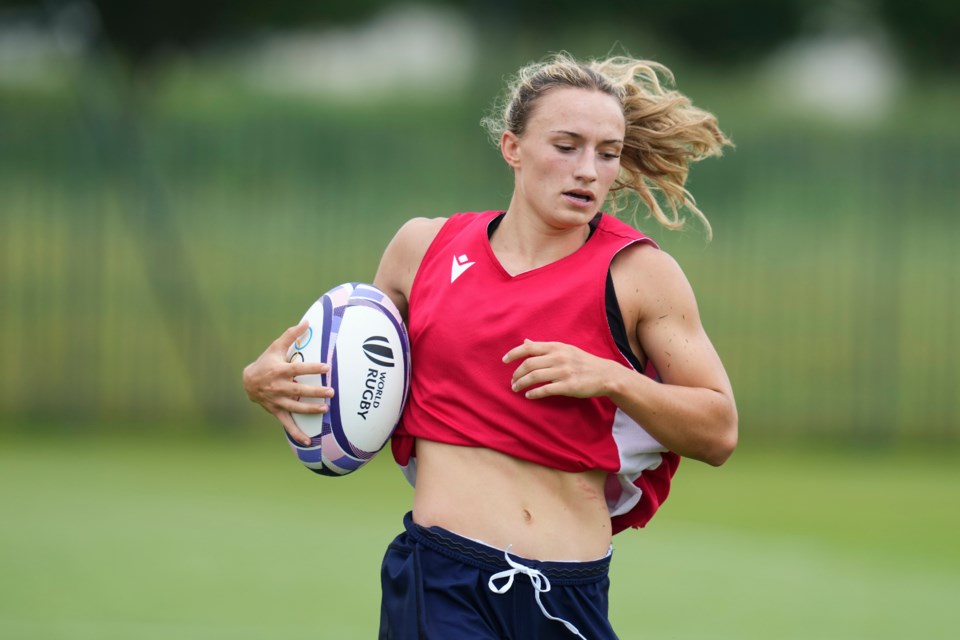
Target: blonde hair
664,132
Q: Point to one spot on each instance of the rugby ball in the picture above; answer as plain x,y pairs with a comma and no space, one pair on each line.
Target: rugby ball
358,331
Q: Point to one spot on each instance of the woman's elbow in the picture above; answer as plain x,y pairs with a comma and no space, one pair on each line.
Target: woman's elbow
725,439
722,450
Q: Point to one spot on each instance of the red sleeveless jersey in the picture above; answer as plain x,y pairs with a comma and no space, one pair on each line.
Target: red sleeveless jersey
466,312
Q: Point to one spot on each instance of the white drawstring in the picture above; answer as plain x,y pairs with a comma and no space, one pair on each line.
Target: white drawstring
540,585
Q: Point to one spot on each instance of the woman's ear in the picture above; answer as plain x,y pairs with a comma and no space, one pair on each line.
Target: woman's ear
510,148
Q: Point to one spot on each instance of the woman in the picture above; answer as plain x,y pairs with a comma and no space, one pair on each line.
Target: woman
560,367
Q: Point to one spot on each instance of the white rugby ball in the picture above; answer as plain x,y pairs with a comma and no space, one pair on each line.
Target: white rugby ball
358,331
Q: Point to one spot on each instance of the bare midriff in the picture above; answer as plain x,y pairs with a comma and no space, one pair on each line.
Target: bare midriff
540,513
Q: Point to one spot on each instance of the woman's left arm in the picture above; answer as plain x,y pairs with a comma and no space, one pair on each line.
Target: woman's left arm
692,411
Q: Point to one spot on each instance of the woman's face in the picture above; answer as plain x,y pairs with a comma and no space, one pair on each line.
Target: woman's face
568,157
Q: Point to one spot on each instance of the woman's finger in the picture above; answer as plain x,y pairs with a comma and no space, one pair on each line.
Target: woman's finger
525,350
288,337
292,429
307,368
310,390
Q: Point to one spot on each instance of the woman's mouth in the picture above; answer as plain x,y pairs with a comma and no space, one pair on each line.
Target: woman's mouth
580,198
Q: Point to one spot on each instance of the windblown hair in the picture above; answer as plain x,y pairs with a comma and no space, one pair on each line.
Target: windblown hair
664,133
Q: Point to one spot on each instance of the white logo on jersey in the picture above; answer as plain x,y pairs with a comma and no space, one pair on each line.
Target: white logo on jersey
460,265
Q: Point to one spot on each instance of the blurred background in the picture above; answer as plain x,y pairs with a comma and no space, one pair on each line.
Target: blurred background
180,180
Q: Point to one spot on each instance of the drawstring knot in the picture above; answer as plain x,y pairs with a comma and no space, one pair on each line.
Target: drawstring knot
540,582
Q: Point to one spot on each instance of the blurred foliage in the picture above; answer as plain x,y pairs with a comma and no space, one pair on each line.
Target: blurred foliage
708,32
925,30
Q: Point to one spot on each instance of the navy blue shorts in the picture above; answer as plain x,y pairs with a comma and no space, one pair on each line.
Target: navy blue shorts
440,586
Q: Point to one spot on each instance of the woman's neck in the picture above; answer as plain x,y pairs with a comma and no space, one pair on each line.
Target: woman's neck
523,243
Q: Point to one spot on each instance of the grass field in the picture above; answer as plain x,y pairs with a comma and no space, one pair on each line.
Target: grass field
149,537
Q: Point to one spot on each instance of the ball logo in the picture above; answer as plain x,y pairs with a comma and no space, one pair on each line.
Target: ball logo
378,351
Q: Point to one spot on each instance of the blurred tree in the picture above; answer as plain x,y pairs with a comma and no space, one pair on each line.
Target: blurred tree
925,30
726,32
143,29
710,31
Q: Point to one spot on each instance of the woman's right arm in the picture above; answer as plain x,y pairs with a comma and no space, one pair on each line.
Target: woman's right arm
270,380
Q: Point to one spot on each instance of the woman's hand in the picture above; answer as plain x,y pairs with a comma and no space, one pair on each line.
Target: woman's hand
270,381
561,370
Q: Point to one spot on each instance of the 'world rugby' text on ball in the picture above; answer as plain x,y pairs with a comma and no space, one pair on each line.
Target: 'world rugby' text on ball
357,330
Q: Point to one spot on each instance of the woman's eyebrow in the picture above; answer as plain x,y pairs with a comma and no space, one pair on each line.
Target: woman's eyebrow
577,136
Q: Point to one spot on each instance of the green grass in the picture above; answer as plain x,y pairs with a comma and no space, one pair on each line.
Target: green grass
156,538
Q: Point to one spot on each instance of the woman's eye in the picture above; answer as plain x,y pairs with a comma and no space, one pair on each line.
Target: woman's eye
611,156
564,147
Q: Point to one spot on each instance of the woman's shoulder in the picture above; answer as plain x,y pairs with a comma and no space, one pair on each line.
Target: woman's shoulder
419,231
402,257
613,225
411,242
649,282
645,262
